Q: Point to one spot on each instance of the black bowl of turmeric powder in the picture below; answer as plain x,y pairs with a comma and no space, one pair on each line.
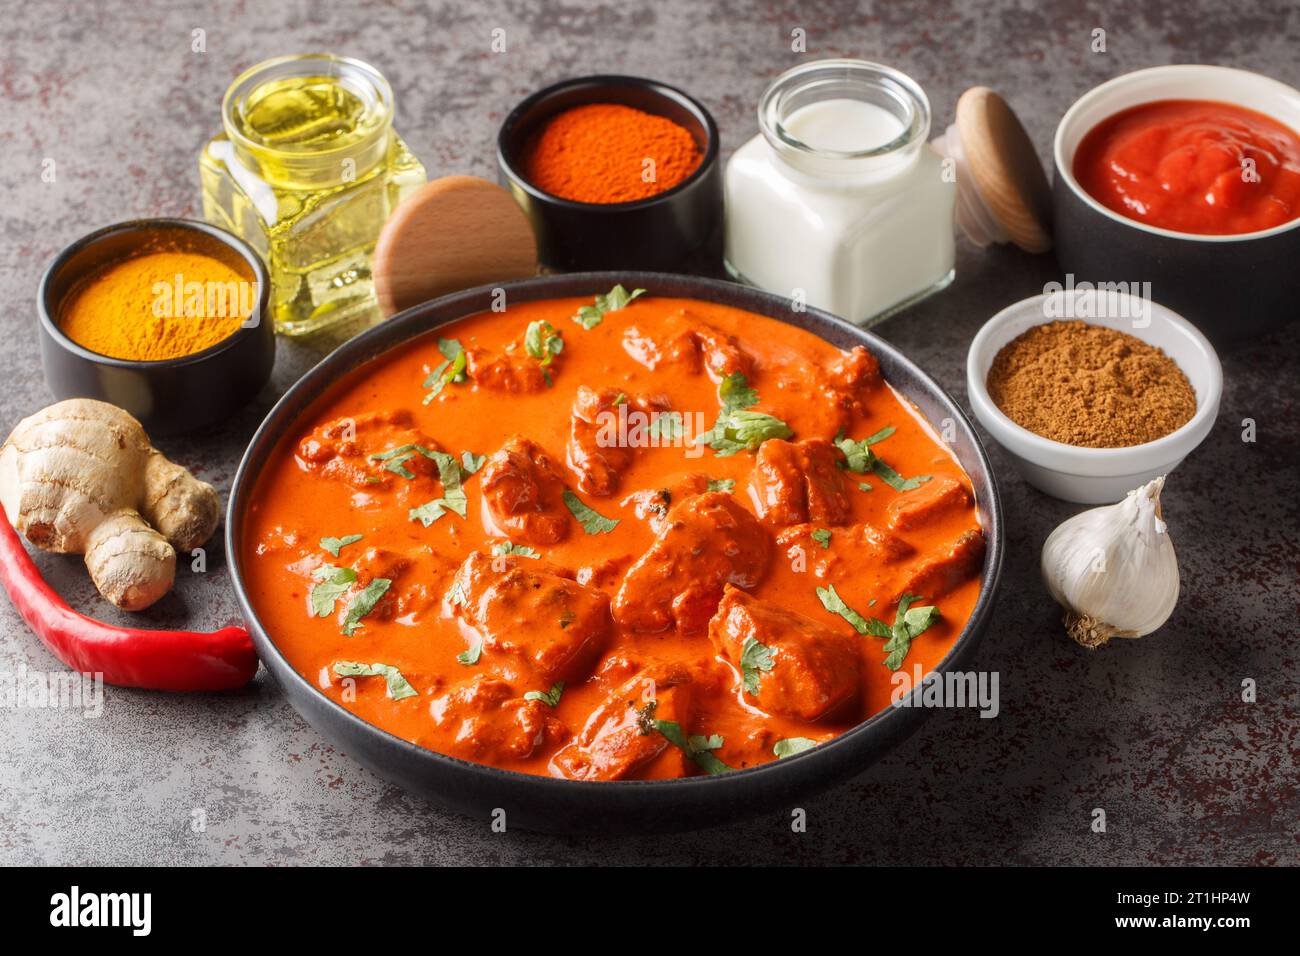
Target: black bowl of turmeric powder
165,318
616,172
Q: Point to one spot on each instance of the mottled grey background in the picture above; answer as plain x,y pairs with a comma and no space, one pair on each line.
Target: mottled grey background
1153,731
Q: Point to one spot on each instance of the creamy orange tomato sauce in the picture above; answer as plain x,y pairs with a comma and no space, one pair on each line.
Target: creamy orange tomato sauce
628,620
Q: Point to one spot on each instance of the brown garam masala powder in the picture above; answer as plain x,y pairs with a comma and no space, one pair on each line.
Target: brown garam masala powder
1089,385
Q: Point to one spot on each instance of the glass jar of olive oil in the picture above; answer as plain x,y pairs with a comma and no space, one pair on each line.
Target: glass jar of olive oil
307,169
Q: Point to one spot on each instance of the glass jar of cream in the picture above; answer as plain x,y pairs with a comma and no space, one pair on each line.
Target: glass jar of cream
839,201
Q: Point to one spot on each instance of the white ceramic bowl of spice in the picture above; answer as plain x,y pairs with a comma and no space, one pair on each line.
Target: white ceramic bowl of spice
1093,393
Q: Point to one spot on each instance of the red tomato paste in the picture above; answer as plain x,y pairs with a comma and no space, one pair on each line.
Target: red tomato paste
1193,166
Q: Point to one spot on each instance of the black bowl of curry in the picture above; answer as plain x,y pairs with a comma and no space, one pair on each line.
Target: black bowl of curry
609,565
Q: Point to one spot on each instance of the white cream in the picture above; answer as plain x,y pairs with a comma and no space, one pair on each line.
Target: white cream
843,125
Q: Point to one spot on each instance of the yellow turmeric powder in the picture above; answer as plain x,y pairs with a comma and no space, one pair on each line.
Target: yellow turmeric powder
158,306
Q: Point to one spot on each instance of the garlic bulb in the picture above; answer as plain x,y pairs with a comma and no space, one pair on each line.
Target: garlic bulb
1113,569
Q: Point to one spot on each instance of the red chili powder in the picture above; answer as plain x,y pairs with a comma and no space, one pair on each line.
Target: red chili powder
608,153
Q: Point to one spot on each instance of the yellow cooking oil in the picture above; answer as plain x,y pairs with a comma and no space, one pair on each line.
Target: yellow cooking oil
307,168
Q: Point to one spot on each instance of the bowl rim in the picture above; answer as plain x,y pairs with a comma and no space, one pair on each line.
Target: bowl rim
1051,453
1065,170
48,321
508,133
410,324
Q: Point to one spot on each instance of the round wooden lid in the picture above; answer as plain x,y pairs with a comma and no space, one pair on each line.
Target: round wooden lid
450,234
1006,168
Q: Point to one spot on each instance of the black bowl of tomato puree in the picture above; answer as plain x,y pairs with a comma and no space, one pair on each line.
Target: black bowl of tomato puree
678,228
550,804
1182,184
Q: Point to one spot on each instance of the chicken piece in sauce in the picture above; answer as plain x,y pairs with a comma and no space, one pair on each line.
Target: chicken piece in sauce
957,563
341,449
823,399
687,340
708,542
491,722
619,740
380,563
533,619
515,371
598,451
798,482
814,670
854,372
848,544
846,548
653,504
369,564
523,493
927,504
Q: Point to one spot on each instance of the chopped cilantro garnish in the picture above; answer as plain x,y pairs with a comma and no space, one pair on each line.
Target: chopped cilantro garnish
908,623
698,749
755,661
395,461
551,697
860,459
722,484
363,603
431,511
427,513
743,431
456,594
835,604
822,537
857,455
451,370
470,657
737,428
331,583
398,686
471,462
449,471
450,474
897,481
792,745
335,545
543,342
590,316
591,521
734,392
509,547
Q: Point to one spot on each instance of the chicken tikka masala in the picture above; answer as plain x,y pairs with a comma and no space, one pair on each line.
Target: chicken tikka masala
643,538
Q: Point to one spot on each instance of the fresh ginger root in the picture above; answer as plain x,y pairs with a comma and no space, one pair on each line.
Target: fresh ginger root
80,477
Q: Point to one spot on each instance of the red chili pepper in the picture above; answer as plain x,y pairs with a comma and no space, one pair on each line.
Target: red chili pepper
126,656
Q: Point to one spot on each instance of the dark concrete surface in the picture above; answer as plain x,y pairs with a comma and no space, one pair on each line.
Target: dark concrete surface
1154,731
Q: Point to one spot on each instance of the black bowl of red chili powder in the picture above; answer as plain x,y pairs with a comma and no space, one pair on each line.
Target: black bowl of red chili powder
616,172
